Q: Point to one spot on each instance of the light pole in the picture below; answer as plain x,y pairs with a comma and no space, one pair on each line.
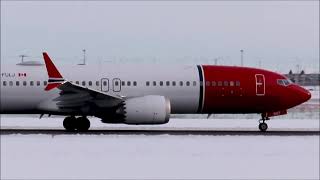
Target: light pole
84,57
216,61
241,51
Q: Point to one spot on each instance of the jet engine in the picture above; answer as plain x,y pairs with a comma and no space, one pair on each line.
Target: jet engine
146,110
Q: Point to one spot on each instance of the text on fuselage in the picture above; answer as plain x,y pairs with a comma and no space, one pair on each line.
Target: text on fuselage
12,75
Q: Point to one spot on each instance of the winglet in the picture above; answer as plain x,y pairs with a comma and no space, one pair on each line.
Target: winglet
55,78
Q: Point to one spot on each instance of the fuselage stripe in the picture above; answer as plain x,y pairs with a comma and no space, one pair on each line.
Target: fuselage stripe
201,98
55,80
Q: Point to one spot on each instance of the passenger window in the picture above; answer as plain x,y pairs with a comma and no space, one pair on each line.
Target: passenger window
208,83
231,83
128,83
77,82
219,83
10,83
97,83
194,83
116,83
4,83
31,83
237,83
161,83
83,83
226,83
154,83
24,83
38,83
90,83
123,83
181,83
147,83
17,83
173,83
214,83
167,83
188,83
134,83
104,83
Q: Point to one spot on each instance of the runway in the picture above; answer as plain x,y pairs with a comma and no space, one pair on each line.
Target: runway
163,132
175,127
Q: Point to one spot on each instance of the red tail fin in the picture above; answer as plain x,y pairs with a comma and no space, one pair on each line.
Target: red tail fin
55,78
51,68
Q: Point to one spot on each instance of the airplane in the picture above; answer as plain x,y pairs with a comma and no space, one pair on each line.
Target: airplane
144,94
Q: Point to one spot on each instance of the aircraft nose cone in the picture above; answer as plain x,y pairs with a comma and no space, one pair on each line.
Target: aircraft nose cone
307,95
295,95
302,94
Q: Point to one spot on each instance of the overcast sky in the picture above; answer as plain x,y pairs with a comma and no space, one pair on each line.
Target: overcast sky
280,34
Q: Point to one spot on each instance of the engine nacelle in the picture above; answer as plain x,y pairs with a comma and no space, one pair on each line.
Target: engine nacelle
147,110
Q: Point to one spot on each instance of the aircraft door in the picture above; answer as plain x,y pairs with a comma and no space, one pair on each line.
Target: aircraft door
260,85
116,84
104,84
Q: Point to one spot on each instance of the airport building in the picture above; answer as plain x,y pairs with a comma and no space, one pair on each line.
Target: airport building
304,79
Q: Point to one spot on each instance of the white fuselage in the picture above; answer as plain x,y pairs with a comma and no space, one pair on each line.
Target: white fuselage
112,79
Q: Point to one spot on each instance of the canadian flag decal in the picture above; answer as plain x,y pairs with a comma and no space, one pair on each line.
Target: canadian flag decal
22,74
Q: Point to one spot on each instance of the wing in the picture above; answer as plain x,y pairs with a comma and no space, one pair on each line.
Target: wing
73,96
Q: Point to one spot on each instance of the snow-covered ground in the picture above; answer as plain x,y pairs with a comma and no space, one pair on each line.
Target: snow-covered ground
160,156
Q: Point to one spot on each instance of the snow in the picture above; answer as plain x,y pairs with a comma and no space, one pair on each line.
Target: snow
158,156
139,156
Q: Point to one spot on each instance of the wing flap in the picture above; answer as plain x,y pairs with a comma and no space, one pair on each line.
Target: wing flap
64,104
73,96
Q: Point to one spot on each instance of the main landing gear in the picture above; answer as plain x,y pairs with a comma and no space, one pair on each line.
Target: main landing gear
72,123
262,125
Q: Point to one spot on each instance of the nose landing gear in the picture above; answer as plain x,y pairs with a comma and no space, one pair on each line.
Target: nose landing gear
72,123
262,125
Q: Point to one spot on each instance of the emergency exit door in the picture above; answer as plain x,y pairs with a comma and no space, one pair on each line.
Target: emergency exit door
105,84
260,85
116,84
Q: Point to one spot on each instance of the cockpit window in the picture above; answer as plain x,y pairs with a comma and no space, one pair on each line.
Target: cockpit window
284,82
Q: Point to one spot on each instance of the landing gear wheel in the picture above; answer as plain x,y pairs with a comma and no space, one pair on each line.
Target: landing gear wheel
263,126
69,123
83,124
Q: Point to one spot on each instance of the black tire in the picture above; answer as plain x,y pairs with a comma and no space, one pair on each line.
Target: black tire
263,127
83,124
69,123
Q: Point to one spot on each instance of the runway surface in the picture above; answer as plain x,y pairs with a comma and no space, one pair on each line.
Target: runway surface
163,132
